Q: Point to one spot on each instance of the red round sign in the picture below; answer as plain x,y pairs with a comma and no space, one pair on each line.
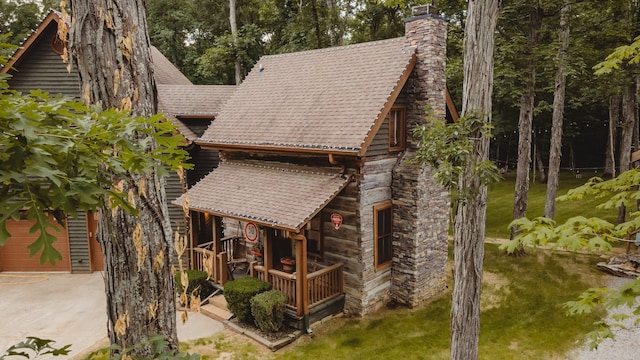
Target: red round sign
336,220
251,231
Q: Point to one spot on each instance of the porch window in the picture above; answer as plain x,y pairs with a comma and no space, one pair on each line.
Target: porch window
383,235
313,233
396,128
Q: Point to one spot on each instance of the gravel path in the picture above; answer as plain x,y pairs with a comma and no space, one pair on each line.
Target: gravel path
625,345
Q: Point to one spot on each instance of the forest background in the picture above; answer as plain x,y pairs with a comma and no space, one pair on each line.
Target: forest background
196,35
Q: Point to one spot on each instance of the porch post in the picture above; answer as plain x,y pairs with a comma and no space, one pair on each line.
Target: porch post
268,253
220,276
302,292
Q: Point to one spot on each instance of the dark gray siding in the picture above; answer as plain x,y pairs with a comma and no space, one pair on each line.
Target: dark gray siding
173,190
79,244
44,69
380,143
205,161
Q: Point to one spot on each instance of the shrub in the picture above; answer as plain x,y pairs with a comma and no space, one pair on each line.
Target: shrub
268,309
238,294
197,278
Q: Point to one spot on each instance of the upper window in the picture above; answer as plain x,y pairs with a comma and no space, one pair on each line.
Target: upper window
313,233
383,235
396,128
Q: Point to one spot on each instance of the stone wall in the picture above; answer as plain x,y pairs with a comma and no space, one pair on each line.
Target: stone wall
421,207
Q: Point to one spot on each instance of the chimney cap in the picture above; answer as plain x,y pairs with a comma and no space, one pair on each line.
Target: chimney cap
424,10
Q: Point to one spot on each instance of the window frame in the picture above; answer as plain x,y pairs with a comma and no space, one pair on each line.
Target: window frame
376,235
320,222
397,128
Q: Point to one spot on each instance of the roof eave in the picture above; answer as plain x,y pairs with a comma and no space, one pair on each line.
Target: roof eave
278,149
26,45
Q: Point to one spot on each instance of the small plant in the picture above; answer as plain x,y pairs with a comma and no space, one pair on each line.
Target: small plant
268,309
33,347
197,280
238,294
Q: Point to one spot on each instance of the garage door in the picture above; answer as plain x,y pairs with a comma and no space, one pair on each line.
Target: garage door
14,255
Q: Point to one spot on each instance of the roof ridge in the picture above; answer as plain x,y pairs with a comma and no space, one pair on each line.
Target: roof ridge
334,48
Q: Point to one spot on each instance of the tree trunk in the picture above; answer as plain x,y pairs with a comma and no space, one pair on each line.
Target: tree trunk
234,34
316,24
629,106
110,47
555,151
525,124
539,163
614,117
469,227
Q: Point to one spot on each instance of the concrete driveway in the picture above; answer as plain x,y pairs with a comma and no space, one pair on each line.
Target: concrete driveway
70,309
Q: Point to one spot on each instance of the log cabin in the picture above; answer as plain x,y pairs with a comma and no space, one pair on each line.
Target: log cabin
316,180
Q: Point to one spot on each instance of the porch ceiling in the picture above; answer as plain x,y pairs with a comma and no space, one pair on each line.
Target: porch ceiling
277,195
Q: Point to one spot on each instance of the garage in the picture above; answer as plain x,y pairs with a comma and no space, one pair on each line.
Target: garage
14,255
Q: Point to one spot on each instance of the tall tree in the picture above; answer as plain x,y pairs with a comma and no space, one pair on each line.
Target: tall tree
469,227
558,113
110,47
234,36
525,120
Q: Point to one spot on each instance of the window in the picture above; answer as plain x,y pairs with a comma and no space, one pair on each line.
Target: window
383,235
396,128
313,233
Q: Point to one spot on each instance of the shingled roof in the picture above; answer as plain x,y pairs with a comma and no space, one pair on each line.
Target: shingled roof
276,195
164,72
327,100
191,101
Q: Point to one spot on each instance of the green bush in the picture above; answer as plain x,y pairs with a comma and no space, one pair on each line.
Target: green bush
268,309
238,294
197,278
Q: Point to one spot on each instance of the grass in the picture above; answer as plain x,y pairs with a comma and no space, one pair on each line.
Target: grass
521,318
500,203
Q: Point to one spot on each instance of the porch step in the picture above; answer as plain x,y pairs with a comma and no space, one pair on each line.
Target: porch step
216,309
219,301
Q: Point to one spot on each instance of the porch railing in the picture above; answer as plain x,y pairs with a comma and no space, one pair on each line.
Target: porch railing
215,265
323,285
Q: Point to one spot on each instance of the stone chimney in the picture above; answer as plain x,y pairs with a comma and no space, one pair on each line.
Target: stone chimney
421,207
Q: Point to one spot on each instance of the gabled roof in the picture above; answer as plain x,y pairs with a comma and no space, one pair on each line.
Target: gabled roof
164,72
329,100
277,195
177,96
191,101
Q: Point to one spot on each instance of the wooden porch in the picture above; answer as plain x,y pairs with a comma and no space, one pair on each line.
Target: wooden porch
312,296
323,285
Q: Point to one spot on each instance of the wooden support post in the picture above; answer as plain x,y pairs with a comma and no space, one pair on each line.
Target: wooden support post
216,230
302,292
268,253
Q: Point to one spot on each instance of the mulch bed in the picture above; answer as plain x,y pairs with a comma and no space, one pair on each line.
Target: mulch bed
272,340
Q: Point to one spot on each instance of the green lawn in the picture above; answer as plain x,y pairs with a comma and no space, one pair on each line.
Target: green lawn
500,203
522,317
